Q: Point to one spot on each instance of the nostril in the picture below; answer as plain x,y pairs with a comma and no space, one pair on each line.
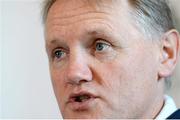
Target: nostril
83,81
77,81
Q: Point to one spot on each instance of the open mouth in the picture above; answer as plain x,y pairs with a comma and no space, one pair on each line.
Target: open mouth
80,97
81,101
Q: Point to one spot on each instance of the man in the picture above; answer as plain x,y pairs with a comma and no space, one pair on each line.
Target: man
111,58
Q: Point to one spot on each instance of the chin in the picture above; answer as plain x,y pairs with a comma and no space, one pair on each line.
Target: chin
82,115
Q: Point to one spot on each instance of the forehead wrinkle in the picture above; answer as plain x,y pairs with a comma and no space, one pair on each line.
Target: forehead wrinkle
71,17
58,25
79,14
105,28
67,10
76,19
101,25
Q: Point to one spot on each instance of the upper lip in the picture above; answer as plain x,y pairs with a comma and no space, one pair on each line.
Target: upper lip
74,95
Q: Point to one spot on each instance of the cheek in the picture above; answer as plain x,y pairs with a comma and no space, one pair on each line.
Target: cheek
139,72
57,78
129,76
139,77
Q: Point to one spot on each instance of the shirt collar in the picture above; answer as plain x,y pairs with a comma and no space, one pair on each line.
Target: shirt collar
168,108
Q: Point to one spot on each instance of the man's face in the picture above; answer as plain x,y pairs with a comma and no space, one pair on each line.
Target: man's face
101,65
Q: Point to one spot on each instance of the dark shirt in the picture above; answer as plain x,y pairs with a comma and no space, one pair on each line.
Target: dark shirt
175,115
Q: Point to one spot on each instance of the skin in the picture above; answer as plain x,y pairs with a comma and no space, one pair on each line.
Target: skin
127,74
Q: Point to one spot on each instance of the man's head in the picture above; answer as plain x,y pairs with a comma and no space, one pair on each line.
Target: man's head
109,58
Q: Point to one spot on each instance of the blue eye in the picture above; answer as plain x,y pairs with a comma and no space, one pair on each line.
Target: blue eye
100,46
59,54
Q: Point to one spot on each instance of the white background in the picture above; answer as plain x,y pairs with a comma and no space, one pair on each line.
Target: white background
25,85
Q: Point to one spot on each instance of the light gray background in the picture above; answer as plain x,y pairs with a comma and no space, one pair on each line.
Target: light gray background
25,85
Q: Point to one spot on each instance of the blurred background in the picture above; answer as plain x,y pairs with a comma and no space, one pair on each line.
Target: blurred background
25,85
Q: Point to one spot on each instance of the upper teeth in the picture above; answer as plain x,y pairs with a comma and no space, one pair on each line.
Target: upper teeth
81,98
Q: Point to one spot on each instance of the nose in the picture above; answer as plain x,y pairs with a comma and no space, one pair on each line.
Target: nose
78,70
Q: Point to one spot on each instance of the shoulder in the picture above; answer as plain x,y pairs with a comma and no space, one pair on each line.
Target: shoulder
175,115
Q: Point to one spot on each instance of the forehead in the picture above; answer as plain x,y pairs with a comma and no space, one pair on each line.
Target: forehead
66,11
74,17
70,8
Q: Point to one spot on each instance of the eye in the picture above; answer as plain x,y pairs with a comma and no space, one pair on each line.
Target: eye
59,54
101,45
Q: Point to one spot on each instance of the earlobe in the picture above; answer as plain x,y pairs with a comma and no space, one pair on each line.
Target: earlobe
169,53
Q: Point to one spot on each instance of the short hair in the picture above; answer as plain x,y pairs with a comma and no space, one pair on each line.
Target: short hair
46,6
152,17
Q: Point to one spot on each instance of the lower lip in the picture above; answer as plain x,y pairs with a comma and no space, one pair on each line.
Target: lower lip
82,106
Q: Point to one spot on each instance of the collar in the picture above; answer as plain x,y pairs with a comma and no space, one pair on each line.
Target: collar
168,108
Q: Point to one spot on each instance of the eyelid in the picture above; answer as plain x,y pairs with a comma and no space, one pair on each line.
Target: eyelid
99,40
105,43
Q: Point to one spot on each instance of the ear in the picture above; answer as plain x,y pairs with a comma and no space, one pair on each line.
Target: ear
169,53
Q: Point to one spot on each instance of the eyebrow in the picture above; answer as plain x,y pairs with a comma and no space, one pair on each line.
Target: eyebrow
90,36
95,32
55,42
